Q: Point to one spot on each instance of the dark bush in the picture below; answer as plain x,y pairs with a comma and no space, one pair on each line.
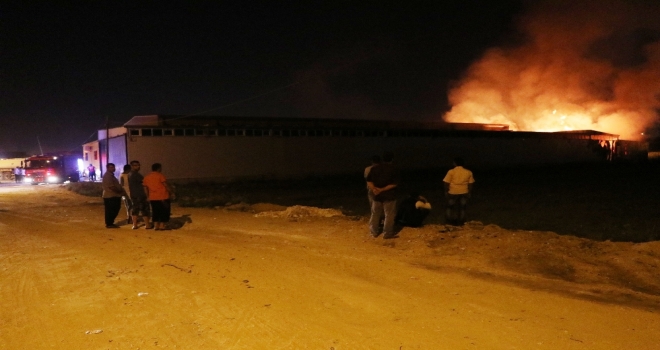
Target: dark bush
90,189
205,195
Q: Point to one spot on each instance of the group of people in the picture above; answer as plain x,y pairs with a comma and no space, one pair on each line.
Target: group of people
383,181
146,197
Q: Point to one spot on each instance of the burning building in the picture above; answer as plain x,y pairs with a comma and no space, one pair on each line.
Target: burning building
195,148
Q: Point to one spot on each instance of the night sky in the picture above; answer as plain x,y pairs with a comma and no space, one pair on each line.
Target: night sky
65,69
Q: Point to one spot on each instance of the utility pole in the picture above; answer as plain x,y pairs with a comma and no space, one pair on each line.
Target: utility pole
107,143
40,149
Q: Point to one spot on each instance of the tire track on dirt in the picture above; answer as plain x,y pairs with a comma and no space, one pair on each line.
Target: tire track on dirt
250,286
100,281
53,288
29,299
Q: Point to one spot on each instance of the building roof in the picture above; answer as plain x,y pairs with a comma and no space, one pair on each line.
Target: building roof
437,129
228,121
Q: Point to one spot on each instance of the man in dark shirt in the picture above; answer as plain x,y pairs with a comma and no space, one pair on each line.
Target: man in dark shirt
112,193
383,180
138,197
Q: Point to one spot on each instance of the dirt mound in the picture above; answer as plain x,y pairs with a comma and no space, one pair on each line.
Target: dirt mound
264,207
299,211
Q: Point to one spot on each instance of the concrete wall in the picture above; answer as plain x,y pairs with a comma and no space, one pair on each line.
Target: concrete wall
234,157
117,154
114,132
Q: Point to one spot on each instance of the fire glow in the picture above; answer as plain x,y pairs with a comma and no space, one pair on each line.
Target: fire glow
586,66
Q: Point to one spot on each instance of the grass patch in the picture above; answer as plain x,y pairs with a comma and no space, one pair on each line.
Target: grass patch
206,195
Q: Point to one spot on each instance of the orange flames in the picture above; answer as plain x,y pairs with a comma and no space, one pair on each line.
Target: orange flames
582,67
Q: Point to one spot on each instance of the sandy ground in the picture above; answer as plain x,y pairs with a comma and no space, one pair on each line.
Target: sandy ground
304,279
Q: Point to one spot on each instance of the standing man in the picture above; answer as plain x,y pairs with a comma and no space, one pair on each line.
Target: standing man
112,192
159,193
91,173
123,181
18,171
375,160
383,180
458,188
140,204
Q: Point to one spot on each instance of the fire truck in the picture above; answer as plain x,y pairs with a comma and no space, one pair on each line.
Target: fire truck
51,169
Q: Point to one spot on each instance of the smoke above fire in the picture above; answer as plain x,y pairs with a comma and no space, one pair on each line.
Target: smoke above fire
581,66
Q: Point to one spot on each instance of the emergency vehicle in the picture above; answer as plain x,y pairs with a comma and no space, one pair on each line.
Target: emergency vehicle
51,169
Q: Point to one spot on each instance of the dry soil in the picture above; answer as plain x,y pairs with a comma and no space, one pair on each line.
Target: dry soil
267,277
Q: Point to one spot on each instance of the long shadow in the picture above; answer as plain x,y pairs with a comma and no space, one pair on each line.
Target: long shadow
179,221
615,295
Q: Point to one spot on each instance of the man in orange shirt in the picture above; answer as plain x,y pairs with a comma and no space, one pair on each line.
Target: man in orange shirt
159,194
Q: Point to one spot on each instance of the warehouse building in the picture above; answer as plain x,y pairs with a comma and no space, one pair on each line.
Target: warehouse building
194,148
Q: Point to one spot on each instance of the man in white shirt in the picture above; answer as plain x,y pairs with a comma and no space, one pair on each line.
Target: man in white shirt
18,171
458,187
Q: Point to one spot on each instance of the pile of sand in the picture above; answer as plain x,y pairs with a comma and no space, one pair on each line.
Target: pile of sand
299,211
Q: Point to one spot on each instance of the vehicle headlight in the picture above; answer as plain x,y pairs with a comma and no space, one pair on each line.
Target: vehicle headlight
53,179
27,179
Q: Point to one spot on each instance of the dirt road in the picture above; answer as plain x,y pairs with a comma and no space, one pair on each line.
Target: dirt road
298,280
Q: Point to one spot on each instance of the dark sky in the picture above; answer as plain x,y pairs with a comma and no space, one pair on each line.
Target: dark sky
64,69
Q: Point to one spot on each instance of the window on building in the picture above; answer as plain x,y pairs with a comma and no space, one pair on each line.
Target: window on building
168,132
96,155
189,132
135,132
157,132
146,132
178,132
86,156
